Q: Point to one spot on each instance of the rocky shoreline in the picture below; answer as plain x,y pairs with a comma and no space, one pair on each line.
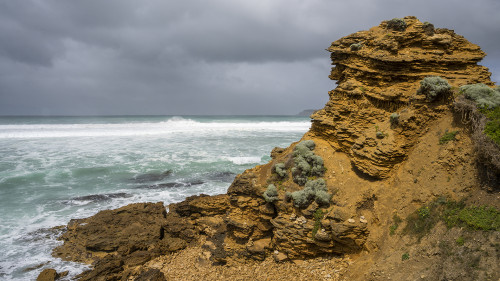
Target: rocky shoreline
274,221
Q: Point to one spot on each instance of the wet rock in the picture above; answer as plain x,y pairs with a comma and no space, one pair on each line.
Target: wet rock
108,268
102,197
150,177
222,176
48,274
172,184
130,228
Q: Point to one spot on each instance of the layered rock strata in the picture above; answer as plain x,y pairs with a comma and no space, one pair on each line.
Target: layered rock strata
378,73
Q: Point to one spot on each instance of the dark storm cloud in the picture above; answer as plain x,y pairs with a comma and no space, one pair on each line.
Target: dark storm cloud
196,57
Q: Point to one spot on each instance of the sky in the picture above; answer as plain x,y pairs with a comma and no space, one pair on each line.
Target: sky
197,57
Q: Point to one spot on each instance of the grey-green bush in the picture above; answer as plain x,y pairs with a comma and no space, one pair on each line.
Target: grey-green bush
397,24
434,87
355,46
394,119
307,164
314,190
271,193
280,169
484,96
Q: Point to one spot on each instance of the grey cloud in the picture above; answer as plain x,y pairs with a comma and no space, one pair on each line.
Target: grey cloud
193,56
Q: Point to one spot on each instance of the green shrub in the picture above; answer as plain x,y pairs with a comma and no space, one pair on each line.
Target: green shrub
434,87
394,119
307,164
492,127
397,24
356,46
474,217
314,190
271,194
280,170
405,256
318,216
448,136
452,213
484,96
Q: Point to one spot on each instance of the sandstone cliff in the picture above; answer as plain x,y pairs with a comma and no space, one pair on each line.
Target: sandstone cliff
374,168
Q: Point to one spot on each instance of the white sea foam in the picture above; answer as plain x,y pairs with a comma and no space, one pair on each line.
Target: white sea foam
173,125
244,160
44,167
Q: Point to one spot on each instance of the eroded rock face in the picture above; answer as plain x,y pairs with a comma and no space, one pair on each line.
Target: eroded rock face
380,76
378,73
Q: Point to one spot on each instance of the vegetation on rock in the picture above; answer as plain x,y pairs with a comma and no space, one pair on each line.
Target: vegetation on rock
448,136
492,127
434,87
314,190
452,213
356,46
488,101
307,164
484,96
397,24
396,221
318,216
479,108
280,170
394,119
271,193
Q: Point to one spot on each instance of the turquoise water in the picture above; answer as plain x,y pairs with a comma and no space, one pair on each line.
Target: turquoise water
53,169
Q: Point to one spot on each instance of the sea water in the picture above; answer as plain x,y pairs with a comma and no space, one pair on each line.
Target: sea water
53,169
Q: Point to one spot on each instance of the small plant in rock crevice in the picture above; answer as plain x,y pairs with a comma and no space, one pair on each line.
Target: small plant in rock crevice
394,119
356,46
318,216
448,136
396,221
271,193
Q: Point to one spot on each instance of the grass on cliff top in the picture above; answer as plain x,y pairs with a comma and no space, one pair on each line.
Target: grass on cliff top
452,213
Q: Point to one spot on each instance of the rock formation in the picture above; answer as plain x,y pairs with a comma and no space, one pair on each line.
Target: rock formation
382,77
373,167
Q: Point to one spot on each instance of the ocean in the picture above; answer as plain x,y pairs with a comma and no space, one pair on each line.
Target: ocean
53,169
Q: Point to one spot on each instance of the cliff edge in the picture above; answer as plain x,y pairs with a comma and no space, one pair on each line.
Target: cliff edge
333,206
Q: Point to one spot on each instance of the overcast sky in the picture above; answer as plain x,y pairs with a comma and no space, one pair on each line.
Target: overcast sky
113,57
